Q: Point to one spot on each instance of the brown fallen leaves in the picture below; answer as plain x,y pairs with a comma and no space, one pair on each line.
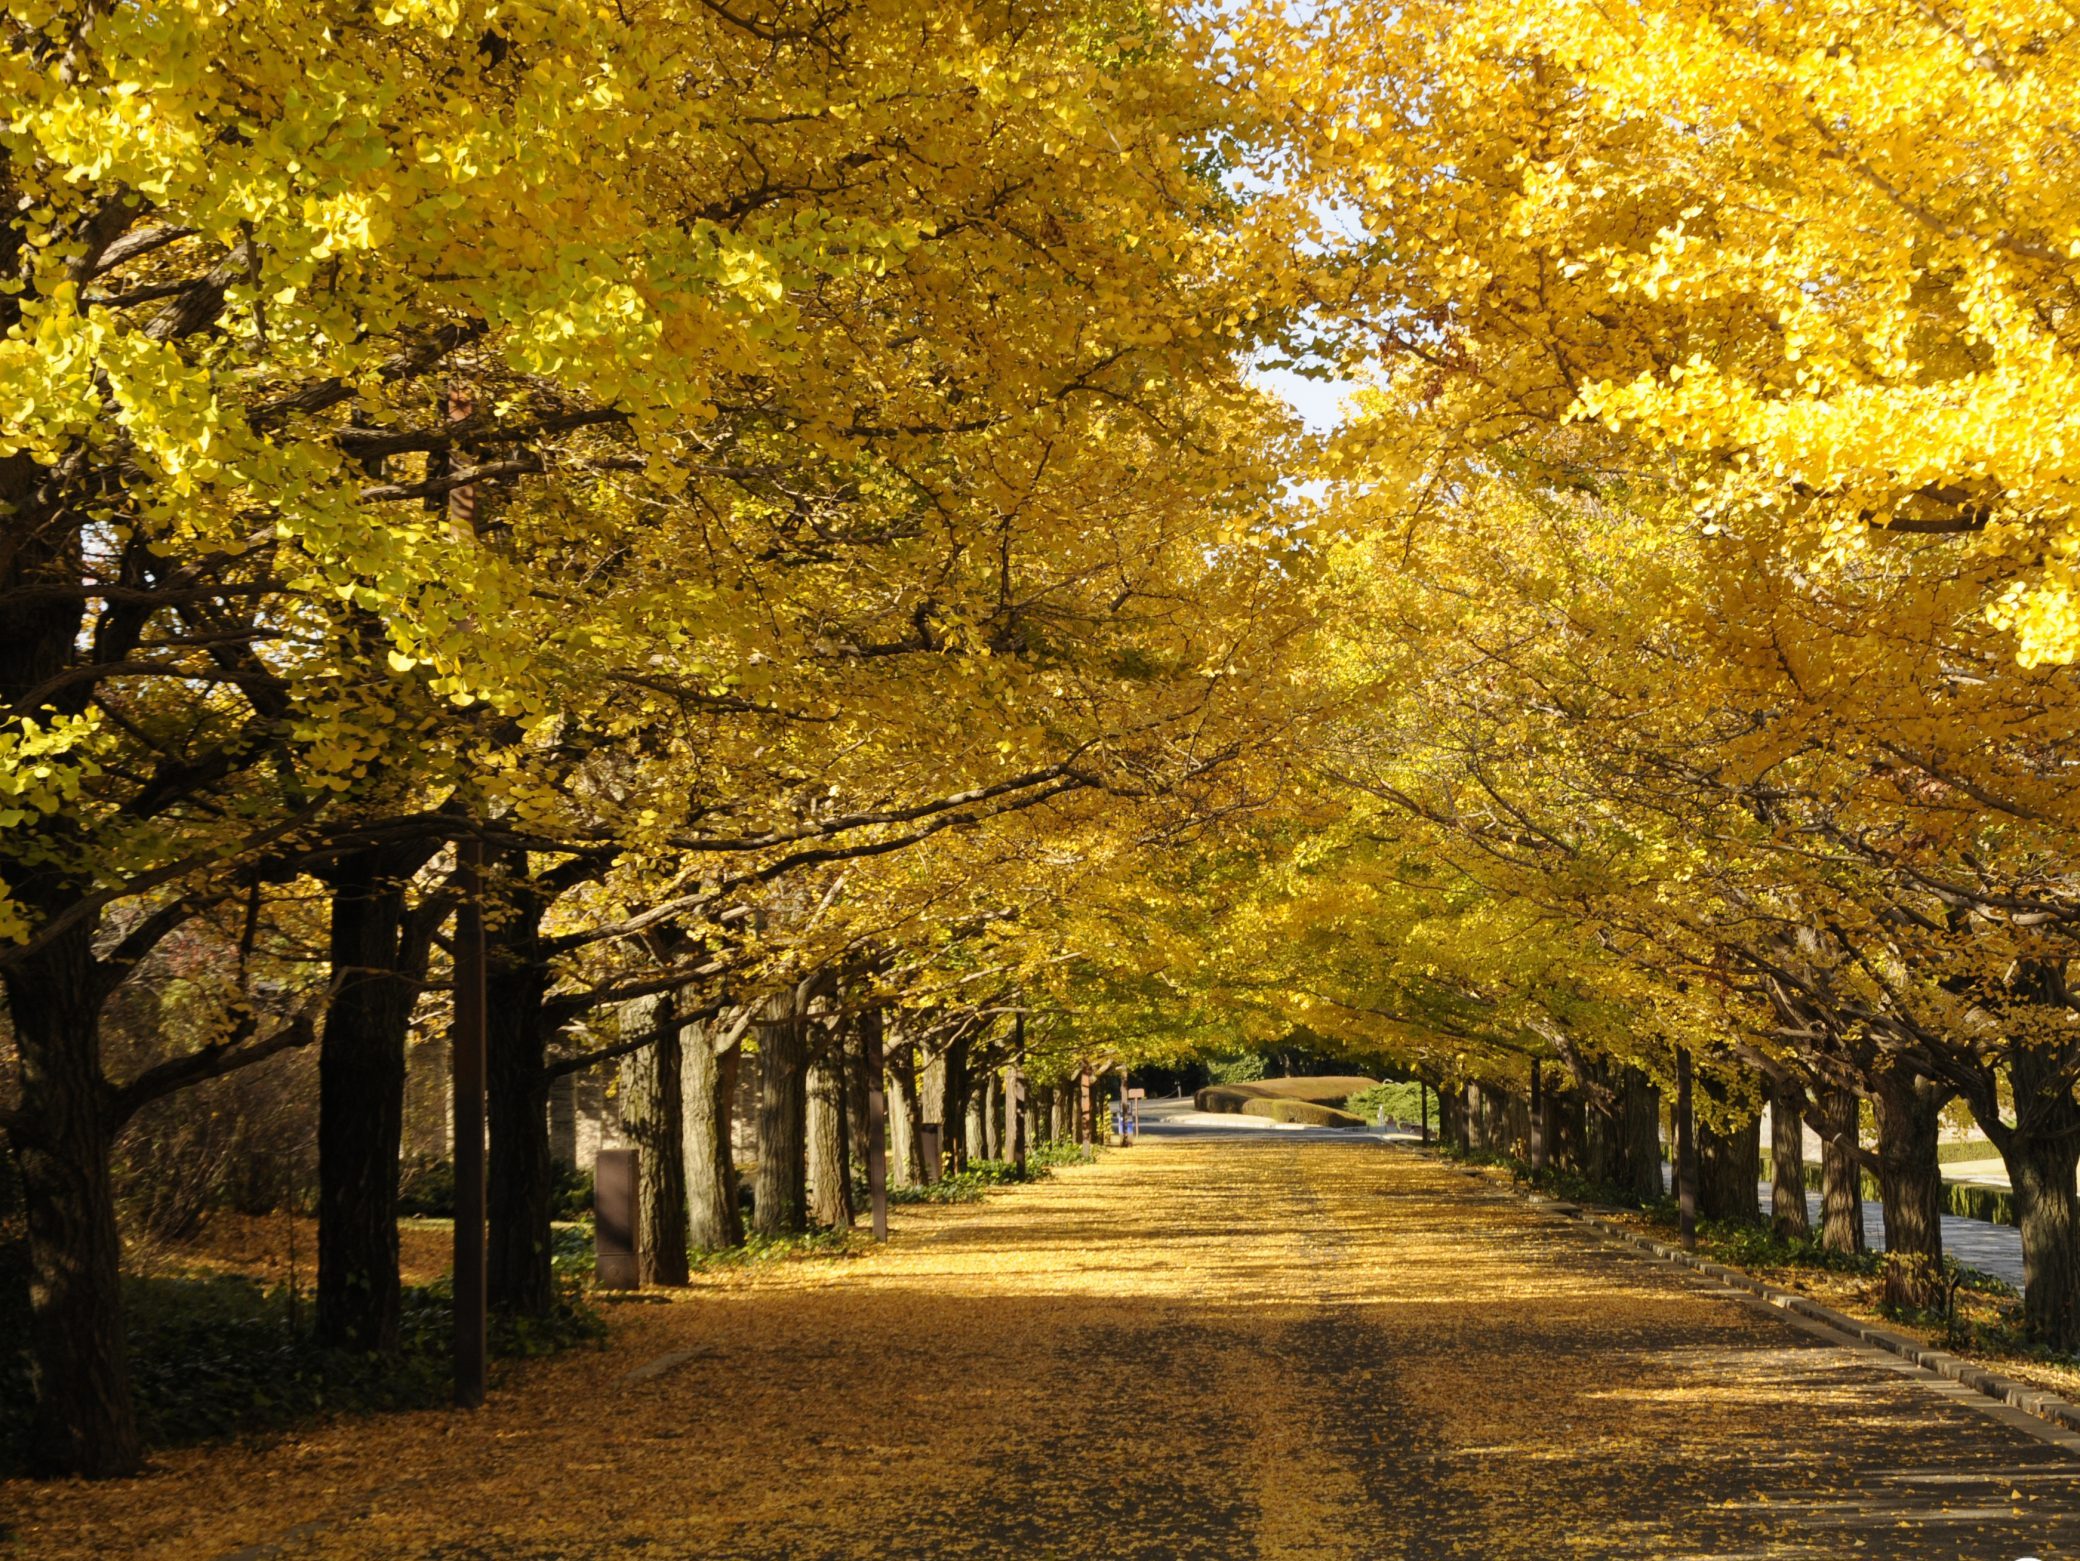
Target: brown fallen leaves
1192,1348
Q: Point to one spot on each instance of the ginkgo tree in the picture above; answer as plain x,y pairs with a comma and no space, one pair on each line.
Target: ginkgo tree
678,450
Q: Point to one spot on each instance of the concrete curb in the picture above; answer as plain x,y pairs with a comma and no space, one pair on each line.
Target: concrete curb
2035,1402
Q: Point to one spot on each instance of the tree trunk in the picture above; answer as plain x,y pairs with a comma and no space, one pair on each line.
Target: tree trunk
520,1186
975,1118
653,1117
781,1207
2042,1171
1039,1114
1061,1099
905,1157
852,1038
1685,1135
1729,1166
945,1101
85,1420
2041,1152
361,1107
1014,1120
1537,1126
1641,1136
708,1081
1836,1119
1910,1185
1566,1127
829,1166
1787,1163
1451,1118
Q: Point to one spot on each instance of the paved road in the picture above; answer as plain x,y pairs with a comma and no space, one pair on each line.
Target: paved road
1981,1244
1222,1348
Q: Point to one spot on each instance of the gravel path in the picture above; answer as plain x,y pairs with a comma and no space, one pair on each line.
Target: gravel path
1262,1347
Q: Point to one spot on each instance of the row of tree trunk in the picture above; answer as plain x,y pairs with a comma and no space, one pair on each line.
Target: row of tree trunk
1602,1122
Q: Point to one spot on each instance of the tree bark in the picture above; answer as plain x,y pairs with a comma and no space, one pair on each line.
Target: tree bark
1641,1137
853,1041
905,1158
945,1101
653,1117
1836,1119
521,1184
829,1166
2041,1151
1451,1118
708,1082
1910,1184
85,1420
361,1106
1788,1220
1538,1127
2042,1171
1686,1149
976,1134
1729,1168
781,1207
1014,1120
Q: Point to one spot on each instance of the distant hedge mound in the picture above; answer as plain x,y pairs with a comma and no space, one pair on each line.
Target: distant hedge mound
1315,1102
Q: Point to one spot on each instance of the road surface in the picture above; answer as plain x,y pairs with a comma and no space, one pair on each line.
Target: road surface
1228,1346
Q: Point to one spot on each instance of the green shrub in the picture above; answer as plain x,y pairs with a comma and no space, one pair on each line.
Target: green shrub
570,1193
225,1355
426,1188
1327,1090
1305,1112
1242,1068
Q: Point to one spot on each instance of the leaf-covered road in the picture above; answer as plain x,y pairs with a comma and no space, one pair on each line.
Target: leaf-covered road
1193,1348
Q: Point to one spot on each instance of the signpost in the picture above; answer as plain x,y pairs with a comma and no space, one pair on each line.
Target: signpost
614,1219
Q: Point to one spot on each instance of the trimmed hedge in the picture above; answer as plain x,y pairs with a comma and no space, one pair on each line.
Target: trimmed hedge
1330,1090
1302,1111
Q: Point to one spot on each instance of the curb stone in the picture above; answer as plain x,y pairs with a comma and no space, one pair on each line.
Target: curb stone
2034,1402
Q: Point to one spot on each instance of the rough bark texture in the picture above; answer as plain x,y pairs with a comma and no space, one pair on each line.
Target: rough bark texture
1684,1132
1539,1130
1835,1119
521,1183
2041,1151
1013,1135
975,1119
2042,1171
1567,1128
1641,1135
708,1081
1910,1184
1729,1172
855,1061
945,1102
1451,1118
829,1167
361,1107
653,1118
1787,1158
781,1207
905,1158
85,1422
